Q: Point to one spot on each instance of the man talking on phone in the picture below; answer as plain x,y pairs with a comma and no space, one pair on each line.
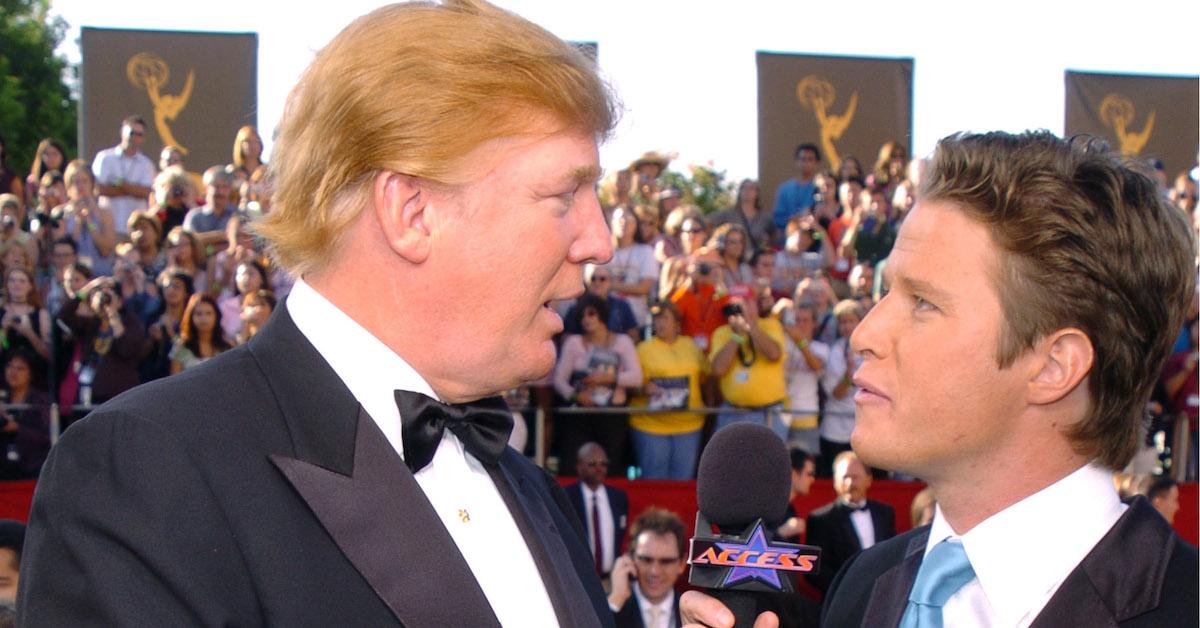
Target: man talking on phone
643,581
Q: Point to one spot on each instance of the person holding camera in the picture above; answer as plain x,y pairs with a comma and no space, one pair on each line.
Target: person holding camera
85,220
692,233
174,197
806,251
12,231
25,419
111,338
24,324
700,299
747,359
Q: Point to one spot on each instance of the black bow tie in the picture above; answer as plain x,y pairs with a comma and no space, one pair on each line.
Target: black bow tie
852,507
483,427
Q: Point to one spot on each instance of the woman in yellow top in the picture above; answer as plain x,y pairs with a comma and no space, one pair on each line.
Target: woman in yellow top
668,444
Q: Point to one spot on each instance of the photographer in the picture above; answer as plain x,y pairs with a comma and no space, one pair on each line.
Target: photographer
85,220
700,299
174,197
12,217
747,358
24,324
25,429
111,338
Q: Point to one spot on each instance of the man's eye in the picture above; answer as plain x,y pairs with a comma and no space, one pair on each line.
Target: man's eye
922,305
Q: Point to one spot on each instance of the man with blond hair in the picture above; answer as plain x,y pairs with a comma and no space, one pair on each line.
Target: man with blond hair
348,465
1036,289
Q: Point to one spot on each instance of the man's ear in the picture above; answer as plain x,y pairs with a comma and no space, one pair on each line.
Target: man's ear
400,202
1065,358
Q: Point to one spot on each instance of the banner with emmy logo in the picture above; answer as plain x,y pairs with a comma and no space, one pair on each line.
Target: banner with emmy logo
844,105
195,90
1142,116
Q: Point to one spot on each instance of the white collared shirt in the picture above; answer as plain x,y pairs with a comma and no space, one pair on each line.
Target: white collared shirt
1022,554
607,531
864,526
666,609
455,482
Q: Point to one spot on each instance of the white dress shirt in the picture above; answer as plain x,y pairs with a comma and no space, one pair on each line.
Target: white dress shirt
1022,554
661,615
607,531
455,482
864,526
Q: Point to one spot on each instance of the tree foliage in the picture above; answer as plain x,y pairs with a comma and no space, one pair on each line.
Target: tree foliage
35,102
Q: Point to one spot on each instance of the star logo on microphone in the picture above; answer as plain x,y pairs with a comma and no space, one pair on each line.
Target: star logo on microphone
757,549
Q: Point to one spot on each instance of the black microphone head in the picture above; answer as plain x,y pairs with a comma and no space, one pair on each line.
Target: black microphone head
745,474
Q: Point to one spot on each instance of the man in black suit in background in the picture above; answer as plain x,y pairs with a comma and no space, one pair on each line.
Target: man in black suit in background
1035,291
643,588
604,510
435,177
851,523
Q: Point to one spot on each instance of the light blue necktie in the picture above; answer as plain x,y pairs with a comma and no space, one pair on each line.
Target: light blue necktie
943,572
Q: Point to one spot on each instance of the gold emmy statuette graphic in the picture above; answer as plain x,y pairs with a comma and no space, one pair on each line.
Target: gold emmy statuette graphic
148,71
1117,112
817,94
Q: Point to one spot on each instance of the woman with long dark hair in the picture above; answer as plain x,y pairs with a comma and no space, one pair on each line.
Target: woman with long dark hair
51,155
200,335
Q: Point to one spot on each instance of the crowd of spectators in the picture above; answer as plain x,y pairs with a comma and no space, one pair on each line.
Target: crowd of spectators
118,270
748,309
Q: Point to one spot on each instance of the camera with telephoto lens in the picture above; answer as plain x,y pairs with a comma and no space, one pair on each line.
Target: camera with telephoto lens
704,268
730,310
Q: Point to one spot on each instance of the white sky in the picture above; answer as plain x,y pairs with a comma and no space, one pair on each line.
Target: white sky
685,70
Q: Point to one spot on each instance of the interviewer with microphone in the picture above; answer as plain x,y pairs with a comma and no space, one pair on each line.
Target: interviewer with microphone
1008,367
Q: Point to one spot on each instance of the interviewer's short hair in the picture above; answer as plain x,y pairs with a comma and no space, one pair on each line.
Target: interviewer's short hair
413,88
1087,242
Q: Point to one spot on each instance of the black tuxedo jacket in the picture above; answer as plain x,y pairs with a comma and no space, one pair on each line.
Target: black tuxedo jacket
830,528
1140,575
630,615
254,490
618,503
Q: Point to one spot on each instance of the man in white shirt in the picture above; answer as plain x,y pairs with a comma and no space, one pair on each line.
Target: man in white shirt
348,466
603,509
1035,292
124,174
643,589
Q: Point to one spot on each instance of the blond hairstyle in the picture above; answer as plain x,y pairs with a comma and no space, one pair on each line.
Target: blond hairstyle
413,88
243,134
76,166
1086,242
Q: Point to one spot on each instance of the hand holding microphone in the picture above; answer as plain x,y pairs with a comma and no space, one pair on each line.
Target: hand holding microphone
742,489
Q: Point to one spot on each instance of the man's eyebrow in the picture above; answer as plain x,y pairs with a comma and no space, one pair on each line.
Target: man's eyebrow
916,285
585,174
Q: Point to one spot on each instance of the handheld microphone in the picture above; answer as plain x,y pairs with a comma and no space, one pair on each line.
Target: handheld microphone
742,489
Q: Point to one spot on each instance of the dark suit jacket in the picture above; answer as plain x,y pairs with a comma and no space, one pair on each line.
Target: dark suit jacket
1140,575
254,490
618,503
630,615
830,528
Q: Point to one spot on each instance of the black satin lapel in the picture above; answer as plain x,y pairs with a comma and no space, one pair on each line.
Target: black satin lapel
544,539
889,596
1076,603
1123,575
382,521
